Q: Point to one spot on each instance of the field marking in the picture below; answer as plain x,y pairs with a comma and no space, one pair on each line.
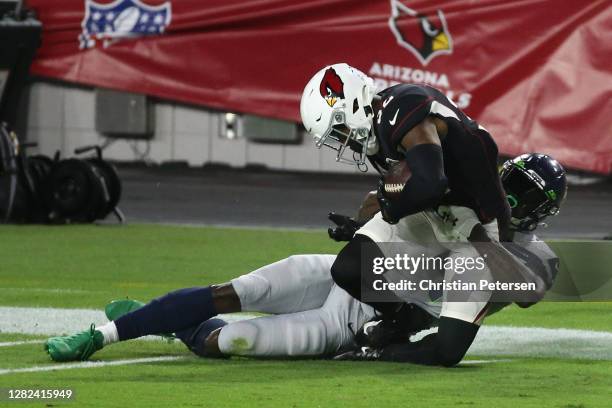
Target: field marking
45,290
542,342
90,364
491,340
474,362
19,343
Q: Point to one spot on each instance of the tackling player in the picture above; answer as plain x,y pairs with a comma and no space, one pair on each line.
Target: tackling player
451,161
535,186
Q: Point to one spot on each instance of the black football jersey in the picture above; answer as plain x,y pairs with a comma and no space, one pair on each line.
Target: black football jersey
469,151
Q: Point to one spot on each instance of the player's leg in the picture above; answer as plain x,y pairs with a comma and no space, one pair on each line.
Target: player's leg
284,335
195,337
294,283
447,347
309,333
351,269
348,273
458,325
299,282
173,312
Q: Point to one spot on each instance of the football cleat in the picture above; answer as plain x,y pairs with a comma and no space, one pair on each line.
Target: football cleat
361,354
78,347
397,327
118,308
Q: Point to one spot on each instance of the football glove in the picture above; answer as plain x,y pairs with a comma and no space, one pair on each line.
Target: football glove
345,227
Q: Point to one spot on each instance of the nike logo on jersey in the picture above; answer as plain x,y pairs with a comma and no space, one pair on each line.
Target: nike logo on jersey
392,121
386,101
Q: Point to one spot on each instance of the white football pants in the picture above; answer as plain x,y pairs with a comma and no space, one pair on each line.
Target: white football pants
311,315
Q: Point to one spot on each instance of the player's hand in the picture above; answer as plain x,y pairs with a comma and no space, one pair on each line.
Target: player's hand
384,203
345,227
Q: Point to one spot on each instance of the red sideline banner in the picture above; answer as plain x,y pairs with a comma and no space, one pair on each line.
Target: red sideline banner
536,73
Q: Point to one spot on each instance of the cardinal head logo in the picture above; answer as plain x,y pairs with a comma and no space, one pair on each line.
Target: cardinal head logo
425,36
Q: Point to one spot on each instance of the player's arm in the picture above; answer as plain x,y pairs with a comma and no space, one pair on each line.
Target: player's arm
427,184
505,266
447,347
482,165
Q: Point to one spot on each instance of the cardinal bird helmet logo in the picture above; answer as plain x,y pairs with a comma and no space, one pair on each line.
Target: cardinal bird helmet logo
425,36
331,87
120,19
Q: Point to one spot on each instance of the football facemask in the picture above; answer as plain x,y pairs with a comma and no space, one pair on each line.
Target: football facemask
339,136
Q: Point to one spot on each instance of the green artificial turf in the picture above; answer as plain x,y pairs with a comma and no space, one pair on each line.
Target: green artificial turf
86,266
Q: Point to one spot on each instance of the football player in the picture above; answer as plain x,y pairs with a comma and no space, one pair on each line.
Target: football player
311,315
453,181
535,186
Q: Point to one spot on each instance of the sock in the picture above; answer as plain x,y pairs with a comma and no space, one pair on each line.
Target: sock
173,312
109,331
194,337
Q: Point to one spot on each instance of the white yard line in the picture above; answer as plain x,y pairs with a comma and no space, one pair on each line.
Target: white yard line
45,290
491,340
90,364
476,362
19,343
542,342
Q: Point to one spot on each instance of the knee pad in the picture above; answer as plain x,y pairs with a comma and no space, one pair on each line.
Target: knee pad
238,338
197,341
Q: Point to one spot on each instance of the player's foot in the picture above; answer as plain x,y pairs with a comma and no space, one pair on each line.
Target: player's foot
117,308
361,354
396,327
378,333
77,347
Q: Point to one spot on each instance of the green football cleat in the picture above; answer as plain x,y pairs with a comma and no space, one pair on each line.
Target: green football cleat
118,308
77,347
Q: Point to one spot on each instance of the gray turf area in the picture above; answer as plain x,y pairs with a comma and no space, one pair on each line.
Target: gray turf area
255,197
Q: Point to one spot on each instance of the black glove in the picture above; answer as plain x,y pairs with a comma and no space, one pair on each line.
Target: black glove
385,204
345,227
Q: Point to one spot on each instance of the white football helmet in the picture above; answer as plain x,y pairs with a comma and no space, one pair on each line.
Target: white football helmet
336,109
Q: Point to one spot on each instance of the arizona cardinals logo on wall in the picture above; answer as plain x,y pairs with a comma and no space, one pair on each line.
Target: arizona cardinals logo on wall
331,87
424,36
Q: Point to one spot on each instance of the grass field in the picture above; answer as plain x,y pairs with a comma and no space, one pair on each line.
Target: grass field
86,266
